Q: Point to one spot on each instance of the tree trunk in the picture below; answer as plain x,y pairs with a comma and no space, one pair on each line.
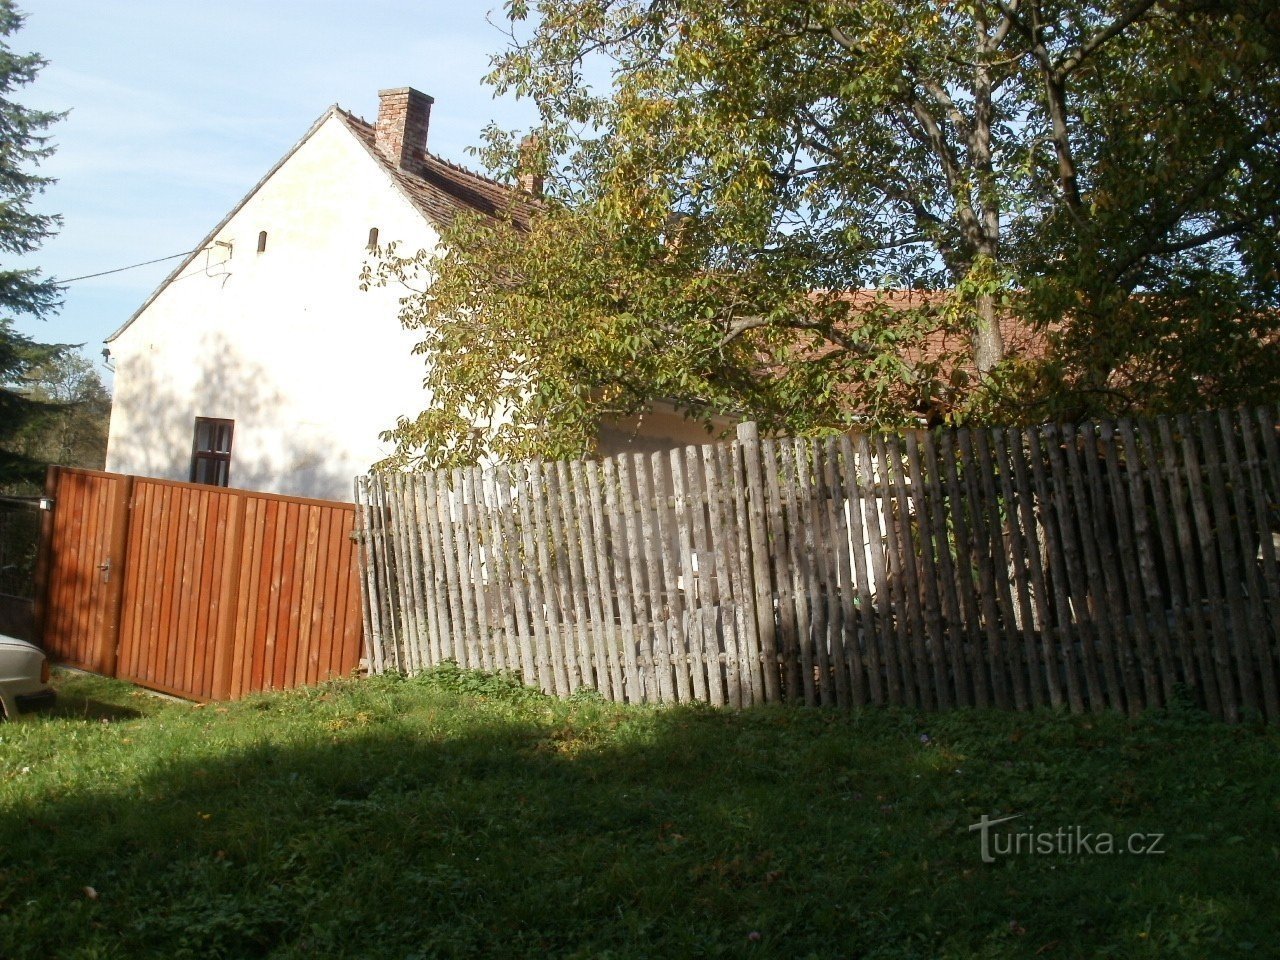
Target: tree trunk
988,344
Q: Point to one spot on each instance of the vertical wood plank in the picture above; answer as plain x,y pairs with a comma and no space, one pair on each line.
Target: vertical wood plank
447,612
1228,551
834,543
801,586
402,524
487,631
1103,604
556,628
395,549
909,566
1064,574
898,651
849,634
501,590
874,624
621,547
709,593
1255,654
751,672
1139,638
1138,474
576,584
690,682
453,575
819,583
982,554
782,571
966,566
716,471
1021,546
527,493
924,500
402,520
1053,635
672,607
300,641
437,625
1010,660
469,649
1157,467
955,623
1213,595
758,538
507,490
1256,471
559,586
321,626
1190,615
588,537
609,602
642,636
876,527
657,636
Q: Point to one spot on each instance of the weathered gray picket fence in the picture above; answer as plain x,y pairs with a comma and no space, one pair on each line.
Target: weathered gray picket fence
1109,565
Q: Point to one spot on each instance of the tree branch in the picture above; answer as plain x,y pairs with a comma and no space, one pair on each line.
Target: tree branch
1199,240
950,169
1076,58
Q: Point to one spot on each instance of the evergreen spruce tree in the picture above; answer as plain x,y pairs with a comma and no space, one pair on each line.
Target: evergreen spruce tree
23,290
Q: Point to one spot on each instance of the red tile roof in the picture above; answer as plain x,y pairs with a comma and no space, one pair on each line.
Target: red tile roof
440,189
1020,338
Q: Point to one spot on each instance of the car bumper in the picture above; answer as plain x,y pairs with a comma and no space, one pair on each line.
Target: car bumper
37,702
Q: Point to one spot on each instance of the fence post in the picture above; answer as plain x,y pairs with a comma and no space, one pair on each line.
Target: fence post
368,577
757,531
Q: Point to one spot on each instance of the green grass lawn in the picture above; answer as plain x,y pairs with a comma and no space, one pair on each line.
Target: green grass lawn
457,815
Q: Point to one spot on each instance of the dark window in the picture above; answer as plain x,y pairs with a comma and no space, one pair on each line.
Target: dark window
373,238
211,451
262,242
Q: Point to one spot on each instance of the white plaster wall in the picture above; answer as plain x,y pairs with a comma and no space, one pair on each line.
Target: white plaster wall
283,342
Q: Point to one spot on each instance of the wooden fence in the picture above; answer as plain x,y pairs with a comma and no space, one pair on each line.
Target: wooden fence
199,591
1115,565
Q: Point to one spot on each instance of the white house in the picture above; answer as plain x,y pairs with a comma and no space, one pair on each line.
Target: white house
259,362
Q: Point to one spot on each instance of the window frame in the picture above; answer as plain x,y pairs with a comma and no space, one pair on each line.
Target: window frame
216,457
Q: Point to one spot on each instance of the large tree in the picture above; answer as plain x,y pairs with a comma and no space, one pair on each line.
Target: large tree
1106,174
23,291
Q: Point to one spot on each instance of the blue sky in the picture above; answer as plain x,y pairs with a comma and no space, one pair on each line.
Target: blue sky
178,109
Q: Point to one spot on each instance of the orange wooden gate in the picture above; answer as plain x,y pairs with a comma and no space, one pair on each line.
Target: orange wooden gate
199,591
82,556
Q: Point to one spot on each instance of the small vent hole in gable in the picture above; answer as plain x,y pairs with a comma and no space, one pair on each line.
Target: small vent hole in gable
373,239
262,241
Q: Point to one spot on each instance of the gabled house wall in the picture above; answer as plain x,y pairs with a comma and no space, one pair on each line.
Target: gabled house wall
281,341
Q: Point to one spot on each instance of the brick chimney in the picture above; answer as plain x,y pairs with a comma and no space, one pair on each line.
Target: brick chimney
401,131
529,174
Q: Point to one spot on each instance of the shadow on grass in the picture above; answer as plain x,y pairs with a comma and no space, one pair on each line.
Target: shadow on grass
84,708
87,696
416,827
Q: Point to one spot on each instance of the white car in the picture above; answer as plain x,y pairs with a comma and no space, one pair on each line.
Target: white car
24,679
